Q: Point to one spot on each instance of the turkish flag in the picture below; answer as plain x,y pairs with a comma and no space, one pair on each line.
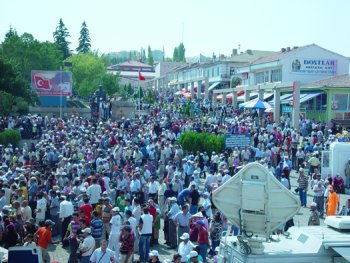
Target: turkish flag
141,77
41,83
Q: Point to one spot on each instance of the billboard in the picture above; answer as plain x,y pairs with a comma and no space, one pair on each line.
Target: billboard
314,66
52,83
237,140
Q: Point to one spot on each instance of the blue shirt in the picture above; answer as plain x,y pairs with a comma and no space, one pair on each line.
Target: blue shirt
96,228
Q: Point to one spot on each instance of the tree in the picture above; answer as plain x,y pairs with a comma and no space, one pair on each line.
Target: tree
60,36
143,55
12,32
84,39
176,55
29,54
110,83
236,81
149,97
150,59
181,53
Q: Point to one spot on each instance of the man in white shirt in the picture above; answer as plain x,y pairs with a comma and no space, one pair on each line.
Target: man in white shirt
41,206
145,228
135,185
66,212
94,192
185,247
116,222
103,254
226,177
87,247
26,211
152,188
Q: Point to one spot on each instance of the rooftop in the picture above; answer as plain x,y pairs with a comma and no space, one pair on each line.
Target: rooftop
341,81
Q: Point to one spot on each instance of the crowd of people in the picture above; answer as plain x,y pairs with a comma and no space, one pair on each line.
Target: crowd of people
106,189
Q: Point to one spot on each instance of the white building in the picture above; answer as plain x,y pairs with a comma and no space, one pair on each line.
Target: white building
303,64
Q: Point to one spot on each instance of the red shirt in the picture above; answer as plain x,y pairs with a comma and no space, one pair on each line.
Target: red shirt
44,237
87,208
153,212
202,236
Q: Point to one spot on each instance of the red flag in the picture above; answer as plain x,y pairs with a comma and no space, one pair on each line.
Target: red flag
141,77
41,83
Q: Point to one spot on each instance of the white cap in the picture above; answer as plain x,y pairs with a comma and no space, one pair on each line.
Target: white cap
154,253
313,204
185,236
116,209
86,230
193,254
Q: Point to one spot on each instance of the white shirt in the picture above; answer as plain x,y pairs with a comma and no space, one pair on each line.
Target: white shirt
207,209
225,178
88,246
102,257
136,212
41,206
26,213
152,187
184,250
133,223
147,221
135,185
94,192
66,209
116,222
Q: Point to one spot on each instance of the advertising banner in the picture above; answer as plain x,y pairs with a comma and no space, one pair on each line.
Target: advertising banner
314,66
52,83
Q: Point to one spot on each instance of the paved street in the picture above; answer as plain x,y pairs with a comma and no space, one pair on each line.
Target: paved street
61,255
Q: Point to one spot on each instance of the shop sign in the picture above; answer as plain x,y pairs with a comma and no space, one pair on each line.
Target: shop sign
314,66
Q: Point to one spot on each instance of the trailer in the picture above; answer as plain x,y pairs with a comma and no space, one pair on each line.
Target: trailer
258,203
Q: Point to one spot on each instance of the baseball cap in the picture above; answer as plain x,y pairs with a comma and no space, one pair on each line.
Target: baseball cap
49,222
87,230
154,253
185,236
116,209
193,254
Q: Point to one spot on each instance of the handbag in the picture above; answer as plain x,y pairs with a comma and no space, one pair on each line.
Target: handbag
101,257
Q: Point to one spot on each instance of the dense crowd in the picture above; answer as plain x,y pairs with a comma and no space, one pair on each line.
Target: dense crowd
106,189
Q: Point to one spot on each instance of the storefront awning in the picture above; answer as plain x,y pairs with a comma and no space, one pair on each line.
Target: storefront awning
213,86
303,97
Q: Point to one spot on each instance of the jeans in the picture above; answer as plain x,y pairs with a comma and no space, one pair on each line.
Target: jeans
204,252
214,244
85,259
144,246
302,195
73,246
193,209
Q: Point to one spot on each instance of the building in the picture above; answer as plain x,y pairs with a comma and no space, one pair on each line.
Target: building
208,76
284,77
129,72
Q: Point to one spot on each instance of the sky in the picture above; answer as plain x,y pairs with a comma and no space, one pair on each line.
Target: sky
204,26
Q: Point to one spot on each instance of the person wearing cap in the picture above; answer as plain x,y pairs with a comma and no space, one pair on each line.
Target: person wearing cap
185,247
332,202
154,256
207,205
44,236
115,222
314,219
86,246
193,257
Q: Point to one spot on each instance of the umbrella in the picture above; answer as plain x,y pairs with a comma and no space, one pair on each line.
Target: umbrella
257,104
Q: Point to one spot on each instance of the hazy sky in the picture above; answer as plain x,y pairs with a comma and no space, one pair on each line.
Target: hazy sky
205,26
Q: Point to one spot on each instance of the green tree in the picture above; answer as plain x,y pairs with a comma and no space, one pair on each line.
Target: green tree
12,32
13,84
235,81
181,53
110,83
84,39
29,54
60,36
150,59
176,55
149,97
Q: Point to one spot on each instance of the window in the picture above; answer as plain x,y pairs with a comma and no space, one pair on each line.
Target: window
276,75
217,71
261,77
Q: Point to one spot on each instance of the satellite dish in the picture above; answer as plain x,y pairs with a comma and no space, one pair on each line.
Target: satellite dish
257,202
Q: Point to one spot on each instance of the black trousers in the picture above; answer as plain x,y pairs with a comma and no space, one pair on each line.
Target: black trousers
65,224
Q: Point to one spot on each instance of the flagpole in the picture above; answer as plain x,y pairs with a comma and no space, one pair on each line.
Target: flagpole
139,97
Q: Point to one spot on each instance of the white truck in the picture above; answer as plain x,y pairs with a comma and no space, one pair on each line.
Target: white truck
258,203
